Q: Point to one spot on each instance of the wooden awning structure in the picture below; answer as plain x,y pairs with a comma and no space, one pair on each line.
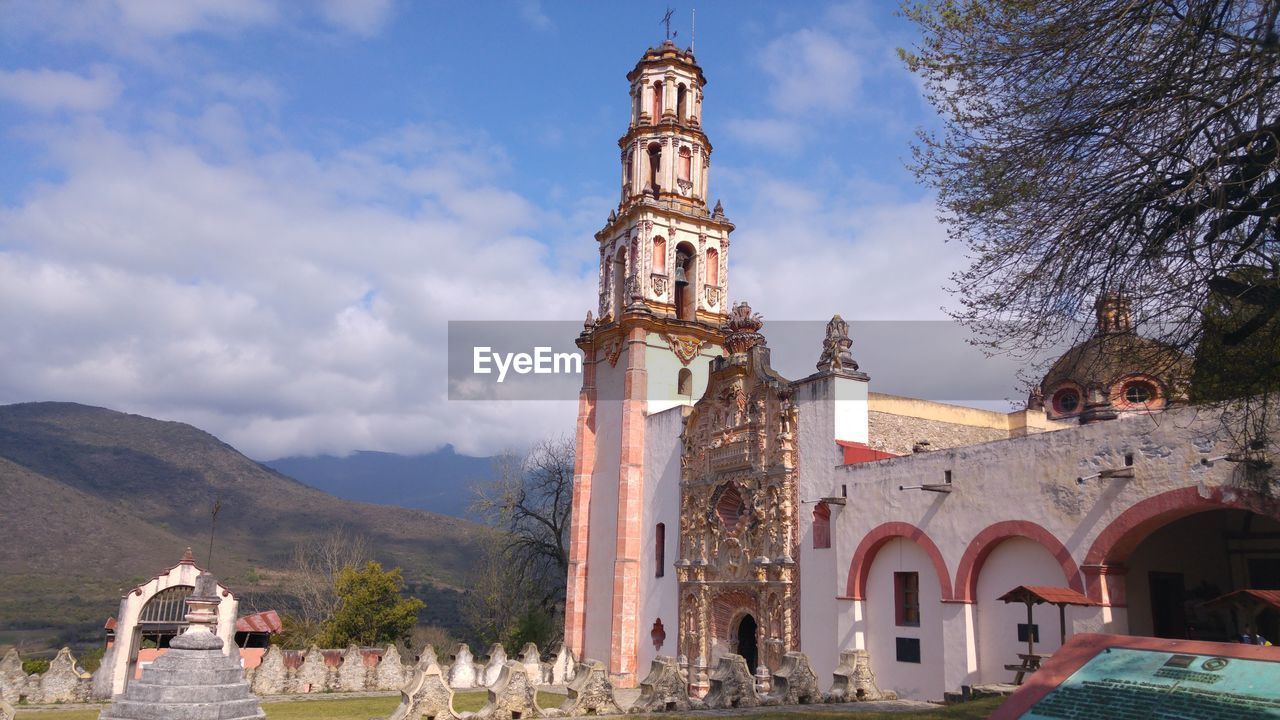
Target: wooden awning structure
1038,594
1260,599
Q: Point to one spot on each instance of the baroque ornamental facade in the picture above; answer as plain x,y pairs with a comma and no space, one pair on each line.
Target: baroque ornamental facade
722,509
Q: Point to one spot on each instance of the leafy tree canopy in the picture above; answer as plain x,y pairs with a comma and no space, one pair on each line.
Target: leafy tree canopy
370,609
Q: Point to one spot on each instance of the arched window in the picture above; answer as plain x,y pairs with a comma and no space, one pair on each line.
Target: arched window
619,281
821,526
684,383
713,266
660,255
660,550
655,162
682,95
657,101
686,164
686,275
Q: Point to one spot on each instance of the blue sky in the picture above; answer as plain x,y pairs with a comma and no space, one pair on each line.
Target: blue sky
259,215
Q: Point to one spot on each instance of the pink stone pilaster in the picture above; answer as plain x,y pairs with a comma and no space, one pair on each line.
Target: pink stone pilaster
625,648
575,614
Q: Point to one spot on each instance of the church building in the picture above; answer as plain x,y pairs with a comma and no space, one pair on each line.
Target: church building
721,508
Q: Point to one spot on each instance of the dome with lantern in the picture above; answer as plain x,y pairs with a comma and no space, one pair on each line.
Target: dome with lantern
1115,371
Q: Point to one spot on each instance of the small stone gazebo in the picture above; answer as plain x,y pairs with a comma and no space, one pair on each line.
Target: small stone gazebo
194,680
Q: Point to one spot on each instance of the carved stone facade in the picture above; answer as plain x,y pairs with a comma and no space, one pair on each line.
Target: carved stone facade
738,510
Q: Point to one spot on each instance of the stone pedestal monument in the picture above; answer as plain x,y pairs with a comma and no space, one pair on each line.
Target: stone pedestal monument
193,680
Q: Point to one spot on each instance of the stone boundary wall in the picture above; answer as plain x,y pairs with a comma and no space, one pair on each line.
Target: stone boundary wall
63,682
430,684
666,689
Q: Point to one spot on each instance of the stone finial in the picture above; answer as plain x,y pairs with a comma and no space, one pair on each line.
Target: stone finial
744,329
497,659
590,693
531,658
351,675
427,657
664,688
12,679
589,322
462,673
732,685
854,680
562,668
511,697
390,674
271,677
835,348
427,696
613,216
795,682
313,675
187,558
718,211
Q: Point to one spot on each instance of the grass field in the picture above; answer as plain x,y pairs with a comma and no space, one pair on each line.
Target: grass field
365,708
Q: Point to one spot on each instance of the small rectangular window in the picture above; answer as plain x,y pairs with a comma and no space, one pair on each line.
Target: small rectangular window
908,650
1022,632
660,550
906,591
821,526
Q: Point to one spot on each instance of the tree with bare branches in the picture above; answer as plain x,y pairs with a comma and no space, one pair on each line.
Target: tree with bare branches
313,574
1096,146
518,593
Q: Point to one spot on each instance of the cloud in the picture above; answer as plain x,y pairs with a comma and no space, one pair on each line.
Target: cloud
776,135
531,12
811,70
288,302
47,91
365,18
164,18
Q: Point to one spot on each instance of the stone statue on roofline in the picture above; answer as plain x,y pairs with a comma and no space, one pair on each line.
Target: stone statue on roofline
835,348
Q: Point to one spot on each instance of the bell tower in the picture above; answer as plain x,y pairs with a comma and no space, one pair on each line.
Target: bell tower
663,303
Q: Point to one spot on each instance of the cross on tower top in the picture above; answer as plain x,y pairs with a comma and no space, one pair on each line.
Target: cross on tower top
666,20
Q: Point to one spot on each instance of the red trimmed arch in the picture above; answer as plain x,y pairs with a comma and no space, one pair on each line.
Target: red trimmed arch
863,556
975,555
1114,544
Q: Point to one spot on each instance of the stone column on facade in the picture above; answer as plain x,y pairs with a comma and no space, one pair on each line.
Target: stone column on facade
669,96
624,654
579,532
646,102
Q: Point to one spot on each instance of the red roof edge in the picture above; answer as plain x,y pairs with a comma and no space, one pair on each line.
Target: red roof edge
856,452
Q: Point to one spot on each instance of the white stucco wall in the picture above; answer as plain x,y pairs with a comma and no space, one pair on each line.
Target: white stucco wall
659,595
828,406
664,371
1029,479
923,680
1014,562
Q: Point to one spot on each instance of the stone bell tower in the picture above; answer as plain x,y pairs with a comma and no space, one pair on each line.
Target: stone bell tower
662,308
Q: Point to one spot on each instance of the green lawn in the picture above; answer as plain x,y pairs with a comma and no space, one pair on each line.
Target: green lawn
365,708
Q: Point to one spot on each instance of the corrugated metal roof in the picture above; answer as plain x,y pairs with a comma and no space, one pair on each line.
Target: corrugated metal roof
267,622
1046,594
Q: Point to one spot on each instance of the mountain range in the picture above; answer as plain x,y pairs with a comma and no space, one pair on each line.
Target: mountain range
439,482
94,501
